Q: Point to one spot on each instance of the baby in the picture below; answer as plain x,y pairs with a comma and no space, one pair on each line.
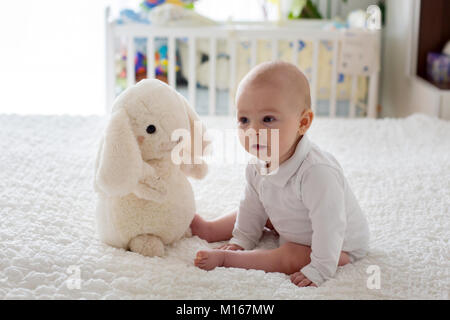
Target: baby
306,199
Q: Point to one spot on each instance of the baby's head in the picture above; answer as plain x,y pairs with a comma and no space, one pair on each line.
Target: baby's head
273,95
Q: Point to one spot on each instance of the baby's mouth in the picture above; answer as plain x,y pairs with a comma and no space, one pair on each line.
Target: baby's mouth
258,146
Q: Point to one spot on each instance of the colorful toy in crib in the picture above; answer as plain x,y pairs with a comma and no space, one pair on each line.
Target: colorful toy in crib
150,4
140,16
128,15
140,65
147,5
161,62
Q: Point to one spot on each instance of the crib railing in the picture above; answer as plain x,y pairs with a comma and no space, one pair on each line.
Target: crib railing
232,34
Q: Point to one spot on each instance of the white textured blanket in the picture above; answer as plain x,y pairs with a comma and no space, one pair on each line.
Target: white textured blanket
399,170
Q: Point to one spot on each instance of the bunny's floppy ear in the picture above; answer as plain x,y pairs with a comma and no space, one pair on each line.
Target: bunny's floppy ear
97,163
120,162
197,168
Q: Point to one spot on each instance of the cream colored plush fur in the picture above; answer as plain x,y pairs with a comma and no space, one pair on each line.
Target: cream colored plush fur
145,200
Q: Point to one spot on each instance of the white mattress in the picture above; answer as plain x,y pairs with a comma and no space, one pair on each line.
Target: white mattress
399,170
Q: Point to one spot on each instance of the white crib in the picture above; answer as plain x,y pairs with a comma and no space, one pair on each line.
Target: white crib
232,34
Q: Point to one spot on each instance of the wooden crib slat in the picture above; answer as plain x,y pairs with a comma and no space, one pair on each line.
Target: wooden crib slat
150,57
334,8
274,46
212,75
171,67
334,79
192,71
109,63
233,34
372,99
253,45
232,80
295,51
323,5
131,76
315,66
353,96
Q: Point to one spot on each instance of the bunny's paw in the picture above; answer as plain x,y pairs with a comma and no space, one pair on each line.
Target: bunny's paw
151,189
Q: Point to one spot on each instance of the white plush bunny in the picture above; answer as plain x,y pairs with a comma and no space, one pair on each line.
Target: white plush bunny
145,200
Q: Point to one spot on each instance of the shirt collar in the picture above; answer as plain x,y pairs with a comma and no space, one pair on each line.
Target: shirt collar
287,169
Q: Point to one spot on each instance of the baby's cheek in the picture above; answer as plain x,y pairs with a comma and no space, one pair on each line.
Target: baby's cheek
247,139
275,138
242,141
286,143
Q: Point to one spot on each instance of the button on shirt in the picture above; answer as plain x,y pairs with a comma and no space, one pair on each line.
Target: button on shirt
309,201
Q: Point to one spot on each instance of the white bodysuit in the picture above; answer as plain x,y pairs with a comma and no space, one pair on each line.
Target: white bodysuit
308,200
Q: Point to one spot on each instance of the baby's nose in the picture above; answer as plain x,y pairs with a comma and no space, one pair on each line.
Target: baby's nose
260,131
256,128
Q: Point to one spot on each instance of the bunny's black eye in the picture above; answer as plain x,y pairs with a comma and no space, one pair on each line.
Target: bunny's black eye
151,129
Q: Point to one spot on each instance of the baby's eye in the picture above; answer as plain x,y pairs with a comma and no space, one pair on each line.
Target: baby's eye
243,120
268,119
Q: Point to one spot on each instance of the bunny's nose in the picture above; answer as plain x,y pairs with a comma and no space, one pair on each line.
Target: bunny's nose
140,139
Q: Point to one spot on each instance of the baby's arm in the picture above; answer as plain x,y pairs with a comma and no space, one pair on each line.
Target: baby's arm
251,217
323,194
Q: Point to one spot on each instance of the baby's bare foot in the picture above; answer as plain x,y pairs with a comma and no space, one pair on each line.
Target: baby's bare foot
200,228
208,260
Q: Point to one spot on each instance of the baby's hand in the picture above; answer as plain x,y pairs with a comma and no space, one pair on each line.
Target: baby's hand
230,246
300,280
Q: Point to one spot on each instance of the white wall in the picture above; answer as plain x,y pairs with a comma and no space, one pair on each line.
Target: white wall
248,10
52,56
346,8
251,9
395,85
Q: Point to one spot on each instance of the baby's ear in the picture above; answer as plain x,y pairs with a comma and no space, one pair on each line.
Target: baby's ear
305,121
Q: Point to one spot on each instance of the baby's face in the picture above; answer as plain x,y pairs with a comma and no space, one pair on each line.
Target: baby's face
261,107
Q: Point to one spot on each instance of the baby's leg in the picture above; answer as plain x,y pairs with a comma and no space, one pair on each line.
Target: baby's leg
219,229
288,258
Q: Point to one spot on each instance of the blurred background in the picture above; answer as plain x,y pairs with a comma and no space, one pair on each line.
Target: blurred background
52,57
52,51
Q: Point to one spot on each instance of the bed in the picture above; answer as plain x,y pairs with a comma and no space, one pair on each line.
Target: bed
398,168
